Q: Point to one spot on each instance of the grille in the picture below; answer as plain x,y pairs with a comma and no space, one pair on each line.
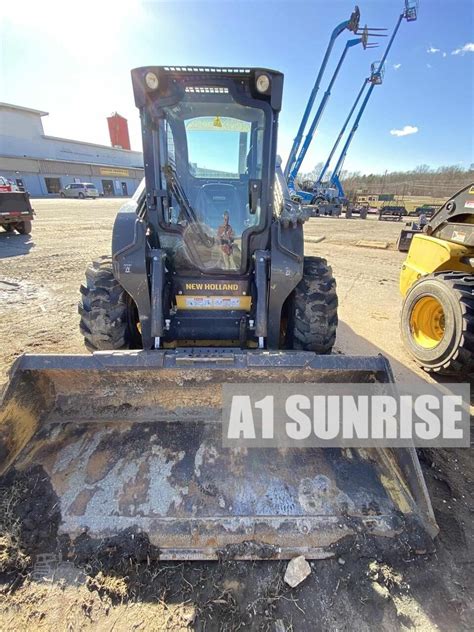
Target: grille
207,89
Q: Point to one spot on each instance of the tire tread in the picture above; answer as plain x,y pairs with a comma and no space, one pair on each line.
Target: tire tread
103,309
315,308
461,361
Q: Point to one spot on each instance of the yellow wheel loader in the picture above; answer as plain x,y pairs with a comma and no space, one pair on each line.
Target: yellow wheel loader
437,282
207,284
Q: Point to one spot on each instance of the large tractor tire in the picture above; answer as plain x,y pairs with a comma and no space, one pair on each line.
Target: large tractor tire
437,322
315,308
109,318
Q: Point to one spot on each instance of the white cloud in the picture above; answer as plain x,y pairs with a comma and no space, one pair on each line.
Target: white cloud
467,48
405,131
433,50
429,66
397,66
444,54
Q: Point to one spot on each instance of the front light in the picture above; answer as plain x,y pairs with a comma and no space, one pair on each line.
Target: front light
262,83
151,80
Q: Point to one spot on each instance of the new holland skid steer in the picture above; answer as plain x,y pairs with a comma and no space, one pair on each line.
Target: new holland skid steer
207,284
437,281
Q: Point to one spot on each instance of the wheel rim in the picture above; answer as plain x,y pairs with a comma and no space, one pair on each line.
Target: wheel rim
427,322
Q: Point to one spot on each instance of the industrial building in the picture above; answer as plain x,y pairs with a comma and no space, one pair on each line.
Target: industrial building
43,164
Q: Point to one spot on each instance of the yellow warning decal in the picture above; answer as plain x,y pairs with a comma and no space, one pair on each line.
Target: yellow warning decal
471,190
217,122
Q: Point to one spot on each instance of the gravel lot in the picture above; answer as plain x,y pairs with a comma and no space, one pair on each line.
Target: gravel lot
40,275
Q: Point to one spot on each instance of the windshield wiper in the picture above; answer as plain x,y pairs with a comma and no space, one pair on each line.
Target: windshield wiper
177,190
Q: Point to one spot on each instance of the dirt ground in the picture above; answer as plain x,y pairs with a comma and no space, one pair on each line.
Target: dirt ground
392,590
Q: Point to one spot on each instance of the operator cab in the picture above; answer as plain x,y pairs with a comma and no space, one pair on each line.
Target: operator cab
213,159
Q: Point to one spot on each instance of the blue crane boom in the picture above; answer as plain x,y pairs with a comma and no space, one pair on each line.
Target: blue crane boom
410,14
317,117
341,133
351,24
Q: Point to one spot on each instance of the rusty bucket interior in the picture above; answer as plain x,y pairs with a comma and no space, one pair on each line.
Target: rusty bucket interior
132,442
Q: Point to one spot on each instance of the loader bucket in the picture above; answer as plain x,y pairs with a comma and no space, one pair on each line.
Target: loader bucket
130,442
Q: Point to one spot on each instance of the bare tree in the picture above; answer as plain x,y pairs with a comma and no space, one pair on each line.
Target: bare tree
421,181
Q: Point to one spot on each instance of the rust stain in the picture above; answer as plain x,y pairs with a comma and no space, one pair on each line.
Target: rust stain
17,426
79,505
135,492
98,466
237,461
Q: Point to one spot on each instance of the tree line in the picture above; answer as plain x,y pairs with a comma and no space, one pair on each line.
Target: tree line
423,180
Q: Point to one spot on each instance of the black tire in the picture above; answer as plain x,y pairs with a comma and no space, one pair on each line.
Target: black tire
24,228
62,195
363,214
454,353
108,314
348,214
9,228
81,195
315,308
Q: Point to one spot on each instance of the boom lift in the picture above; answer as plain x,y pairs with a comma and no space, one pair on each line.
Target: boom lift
297,155
352,24
324,101
334,186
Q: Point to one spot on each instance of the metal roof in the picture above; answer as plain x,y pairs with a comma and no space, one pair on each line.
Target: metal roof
10,106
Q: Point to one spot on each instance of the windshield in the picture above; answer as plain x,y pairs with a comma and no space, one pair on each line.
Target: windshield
214,151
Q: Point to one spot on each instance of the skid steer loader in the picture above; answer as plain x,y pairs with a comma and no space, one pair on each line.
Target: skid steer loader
437,282
207,284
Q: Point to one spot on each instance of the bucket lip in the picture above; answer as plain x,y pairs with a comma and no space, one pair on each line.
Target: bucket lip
202,357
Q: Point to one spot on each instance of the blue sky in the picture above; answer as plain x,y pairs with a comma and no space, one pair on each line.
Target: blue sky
73,59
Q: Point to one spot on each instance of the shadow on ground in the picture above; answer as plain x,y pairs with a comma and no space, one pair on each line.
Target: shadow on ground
15,245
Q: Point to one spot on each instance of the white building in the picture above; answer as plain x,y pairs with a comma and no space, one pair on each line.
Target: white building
43,164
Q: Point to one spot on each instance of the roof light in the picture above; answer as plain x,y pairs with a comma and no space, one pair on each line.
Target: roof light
151,81
262,83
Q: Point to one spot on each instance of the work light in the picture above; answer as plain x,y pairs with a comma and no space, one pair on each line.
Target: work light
262,83
151,80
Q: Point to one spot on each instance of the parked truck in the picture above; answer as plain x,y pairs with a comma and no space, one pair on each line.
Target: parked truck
16,212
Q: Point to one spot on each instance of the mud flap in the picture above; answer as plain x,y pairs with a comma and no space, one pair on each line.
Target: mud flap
131,442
